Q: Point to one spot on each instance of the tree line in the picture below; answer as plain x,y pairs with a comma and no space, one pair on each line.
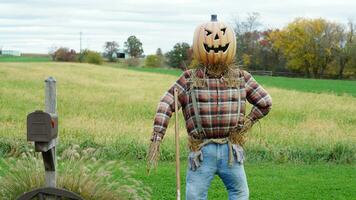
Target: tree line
310,47
315,48
132,46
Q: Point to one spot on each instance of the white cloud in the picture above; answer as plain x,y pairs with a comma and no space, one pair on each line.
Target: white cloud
35,25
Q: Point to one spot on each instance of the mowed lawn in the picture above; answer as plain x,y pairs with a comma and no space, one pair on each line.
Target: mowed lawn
265,180
294,153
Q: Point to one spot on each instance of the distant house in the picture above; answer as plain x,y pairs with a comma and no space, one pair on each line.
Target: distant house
10,53
121,54
114,55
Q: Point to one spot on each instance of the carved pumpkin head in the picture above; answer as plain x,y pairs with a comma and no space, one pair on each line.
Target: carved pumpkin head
214,43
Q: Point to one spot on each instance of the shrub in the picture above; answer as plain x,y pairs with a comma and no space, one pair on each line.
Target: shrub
64,54
153,61
92,57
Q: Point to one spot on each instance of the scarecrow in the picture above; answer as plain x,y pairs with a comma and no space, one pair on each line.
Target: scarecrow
213,99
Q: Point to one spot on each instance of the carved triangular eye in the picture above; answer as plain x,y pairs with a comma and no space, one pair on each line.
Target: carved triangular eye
223,30
208,32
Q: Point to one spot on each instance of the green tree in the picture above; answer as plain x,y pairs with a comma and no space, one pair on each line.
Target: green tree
111,48
179,56
133,47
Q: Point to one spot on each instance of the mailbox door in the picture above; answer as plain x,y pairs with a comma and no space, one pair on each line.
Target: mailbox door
39,127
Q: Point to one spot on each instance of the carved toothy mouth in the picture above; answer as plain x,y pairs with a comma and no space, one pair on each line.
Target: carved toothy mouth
216,49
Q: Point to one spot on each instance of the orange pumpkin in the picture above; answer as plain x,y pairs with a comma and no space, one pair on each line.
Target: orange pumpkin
214,43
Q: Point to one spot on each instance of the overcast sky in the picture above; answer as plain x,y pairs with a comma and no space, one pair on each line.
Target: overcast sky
36,25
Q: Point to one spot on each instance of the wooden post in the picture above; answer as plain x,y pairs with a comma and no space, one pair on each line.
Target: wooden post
177,143
51,107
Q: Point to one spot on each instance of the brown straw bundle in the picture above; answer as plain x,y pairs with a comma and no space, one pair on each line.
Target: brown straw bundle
153,155
239,137
194,144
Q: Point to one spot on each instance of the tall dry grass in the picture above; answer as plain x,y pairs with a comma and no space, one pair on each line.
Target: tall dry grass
112,110
78,171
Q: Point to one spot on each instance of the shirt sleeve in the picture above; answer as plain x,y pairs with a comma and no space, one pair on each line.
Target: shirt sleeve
166,107
258,97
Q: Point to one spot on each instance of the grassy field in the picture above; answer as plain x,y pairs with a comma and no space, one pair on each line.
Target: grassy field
337,87
304,149
107,108
27,58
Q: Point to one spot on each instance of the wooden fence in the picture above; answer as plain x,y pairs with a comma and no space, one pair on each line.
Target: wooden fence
261,73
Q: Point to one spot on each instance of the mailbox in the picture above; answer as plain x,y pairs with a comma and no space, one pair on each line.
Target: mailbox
41,126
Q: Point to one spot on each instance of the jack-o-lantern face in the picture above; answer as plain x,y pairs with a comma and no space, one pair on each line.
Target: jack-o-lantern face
214,43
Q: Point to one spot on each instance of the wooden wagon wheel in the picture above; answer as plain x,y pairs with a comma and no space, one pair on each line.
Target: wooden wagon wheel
44,193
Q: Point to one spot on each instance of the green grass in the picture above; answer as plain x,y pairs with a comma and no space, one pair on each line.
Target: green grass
266,181
25,59
338,87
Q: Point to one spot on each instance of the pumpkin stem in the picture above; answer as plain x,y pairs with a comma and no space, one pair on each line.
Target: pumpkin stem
214,18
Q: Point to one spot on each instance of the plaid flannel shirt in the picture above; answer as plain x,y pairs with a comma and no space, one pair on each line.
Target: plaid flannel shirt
217,104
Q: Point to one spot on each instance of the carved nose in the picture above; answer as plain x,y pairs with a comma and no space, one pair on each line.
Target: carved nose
216,37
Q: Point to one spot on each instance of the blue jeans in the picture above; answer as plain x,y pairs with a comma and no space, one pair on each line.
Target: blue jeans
215,161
